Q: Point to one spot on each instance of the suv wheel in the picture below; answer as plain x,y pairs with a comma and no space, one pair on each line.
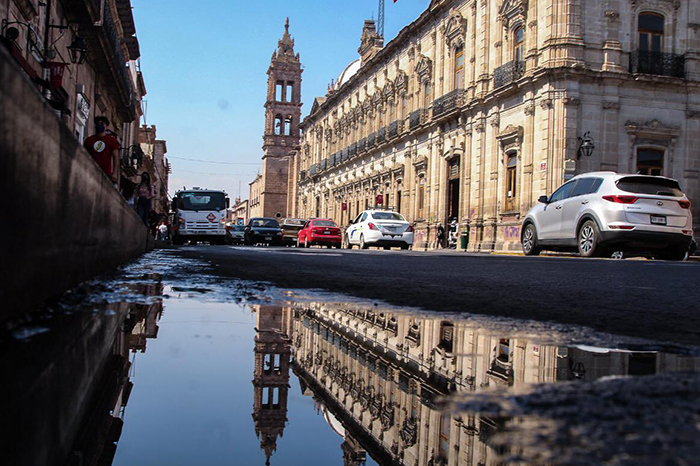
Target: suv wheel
529,241
363,245
588,239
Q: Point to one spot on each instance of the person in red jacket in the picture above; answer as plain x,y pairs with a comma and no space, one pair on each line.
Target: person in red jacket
104,149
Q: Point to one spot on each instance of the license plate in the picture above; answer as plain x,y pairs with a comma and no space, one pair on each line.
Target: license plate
658,220
268,238
326,232
201,232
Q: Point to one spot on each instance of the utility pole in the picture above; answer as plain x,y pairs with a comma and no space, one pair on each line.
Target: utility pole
380,19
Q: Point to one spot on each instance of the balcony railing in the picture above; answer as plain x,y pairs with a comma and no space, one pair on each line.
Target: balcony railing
506,74
393,130
313,169
381,135
124,83
448,102
414,119
344,154
658,63
361,145
331,160
352,149
323,164
371,140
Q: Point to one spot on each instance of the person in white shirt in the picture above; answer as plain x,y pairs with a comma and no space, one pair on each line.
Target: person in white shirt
163,231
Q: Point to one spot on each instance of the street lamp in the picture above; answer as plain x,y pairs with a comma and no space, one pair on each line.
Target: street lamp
586,145
77,50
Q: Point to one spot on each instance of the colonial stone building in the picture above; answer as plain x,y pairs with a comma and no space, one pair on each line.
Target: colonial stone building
282,117
478,107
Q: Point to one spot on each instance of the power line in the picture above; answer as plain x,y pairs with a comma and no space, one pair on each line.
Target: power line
217,174
214,161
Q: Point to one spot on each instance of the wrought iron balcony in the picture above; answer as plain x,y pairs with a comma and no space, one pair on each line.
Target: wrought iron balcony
313,169
361,145
506,74
371,140
448,102
658,63
353,149
323,164
393,129
414,119
381,135
344,154
331,160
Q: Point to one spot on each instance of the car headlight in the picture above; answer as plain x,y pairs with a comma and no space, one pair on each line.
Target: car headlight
279,233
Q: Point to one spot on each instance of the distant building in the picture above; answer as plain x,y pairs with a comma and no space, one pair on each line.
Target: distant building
239,211
255,197
156,165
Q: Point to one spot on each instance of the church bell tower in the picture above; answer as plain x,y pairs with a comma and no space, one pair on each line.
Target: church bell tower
282,115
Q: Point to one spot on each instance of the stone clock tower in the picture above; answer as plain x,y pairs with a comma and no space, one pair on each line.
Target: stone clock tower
282,115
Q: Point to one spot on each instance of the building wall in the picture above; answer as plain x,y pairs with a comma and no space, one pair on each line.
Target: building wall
71,224
255,197
573,76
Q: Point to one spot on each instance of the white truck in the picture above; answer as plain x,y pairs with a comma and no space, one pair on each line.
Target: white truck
199,215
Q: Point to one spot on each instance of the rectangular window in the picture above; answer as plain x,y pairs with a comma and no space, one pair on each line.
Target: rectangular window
279,89
443,447
459,68
421,198
426,95
650,162
511,181
398,201
289,92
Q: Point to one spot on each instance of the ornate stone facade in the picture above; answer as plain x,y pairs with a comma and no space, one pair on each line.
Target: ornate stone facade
476,109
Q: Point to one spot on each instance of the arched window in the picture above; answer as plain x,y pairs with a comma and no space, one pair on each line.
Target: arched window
519,45
511,180
651,32
278,125
459,68
288,125
650,162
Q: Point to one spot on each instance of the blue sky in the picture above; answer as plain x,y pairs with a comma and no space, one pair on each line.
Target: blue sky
205,66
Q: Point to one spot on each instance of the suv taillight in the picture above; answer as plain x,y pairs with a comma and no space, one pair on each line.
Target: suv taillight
684,204
409,229
621,199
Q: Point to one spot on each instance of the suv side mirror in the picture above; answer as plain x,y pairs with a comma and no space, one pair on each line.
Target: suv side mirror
543,200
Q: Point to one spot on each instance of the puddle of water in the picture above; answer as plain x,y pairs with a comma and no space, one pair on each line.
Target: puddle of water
153,368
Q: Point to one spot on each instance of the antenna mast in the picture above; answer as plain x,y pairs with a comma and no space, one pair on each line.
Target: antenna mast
380,19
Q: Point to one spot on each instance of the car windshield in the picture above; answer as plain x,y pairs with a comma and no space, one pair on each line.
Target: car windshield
388,216
264,223
238,228
650,185
201,201
324,223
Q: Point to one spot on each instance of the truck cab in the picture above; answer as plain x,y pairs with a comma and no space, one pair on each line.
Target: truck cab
199,215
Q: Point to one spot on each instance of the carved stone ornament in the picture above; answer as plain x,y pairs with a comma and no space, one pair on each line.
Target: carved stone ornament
510,138
455,30
529,108
329,134
572,101
612,15
401,82
367,106
653,129
388,91
424,68
610,105
376,99
512,11
420,164
546,104
694,26
495,120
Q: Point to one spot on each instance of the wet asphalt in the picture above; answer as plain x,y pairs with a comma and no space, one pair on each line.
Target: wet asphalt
656,300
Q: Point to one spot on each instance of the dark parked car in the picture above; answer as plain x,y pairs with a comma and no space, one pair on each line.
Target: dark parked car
263,230
290,230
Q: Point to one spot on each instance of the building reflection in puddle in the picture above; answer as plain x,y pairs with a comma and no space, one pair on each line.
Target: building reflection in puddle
382,375
71,385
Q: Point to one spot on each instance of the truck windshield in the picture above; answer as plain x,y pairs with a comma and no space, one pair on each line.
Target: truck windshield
201,201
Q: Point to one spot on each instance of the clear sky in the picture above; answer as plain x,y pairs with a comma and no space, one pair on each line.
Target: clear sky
205,65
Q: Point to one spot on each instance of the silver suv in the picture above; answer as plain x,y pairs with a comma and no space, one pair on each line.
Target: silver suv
604,212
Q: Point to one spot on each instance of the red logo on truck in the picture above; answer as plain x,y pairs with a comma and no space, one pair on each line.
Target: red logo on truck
211,217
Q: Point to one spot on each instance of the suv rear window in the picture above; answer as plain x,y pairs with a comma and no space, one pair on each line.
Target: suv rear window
650,185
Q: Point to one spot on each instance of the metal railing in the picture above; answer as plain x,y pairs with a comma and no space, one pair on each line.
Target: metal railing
361,145
448,102
393,129
657,63
123,78
414,119
371,140
506,74
352,150
381,135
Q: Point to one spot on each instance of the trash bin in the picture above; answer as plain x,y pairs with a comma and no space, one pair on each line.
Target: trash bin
464,239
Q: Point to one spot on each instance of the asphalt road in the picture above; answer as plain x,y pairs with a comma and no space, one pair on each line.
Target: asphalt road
651,299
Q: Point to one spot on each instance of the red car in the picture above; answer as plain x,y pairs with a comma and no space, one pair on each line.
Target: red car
320,231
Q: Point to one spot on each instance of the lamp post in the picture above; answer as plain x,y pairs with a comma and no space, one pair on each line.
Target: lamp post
586,145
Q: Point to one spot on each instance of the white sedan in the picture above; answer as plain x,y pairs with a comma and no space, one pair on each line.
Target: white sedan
382,228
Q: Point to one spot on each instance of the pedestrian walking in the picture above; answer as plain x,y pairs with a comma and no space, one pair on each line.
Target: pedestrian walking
162,231
104,149
440,236
144,194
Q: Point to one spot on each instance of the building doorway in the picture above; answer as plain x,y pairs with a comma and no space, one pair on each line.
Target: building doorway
453,190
